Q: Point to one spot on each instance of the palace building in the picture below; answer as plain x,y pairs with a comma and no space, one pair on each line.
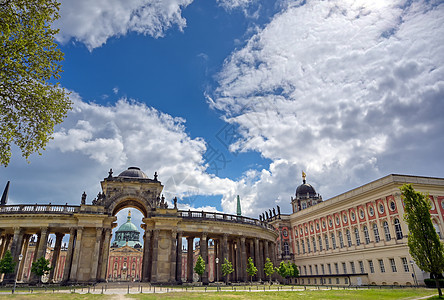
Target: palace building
358,237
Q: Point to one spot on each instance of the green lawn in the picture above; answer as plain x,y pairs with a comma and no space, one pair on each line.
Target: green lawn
374,294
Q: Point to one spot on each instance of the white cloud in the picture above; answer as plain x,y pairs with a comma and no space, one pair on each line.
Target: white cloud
94,22
340,89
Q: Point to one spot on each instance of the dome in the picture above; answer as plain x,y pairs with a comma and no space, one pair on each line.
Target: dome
305,189
133,172
128,226
127,234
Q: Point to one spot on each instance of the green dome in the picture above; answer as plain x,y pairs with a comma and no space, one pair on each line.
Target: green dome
127,234
128,226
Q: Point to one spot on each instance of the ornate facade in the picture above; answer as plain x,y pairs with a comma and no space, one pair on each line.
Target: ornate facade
356,238
89,228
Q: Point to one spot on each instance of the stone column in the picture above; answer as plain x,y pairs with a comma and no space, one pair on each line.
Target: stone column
26,238
260,268
179,258
55,255
76,255
2,238
257,258
190,257
95,260
238,260
105,254
15,252
155,252
232,259
146,266
243,256
68,259
216,255
173,256
204,254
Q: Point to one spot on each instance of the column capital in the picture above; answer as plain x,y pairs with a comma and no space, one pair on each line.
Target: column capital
204,235
242,239
44,229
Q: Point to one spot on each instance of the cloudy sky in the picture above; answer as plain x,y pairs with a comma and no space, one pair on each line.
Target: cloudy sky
227,97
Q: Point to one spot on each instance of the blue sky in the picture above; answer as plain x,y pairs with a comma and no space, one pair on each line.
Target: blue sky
235,97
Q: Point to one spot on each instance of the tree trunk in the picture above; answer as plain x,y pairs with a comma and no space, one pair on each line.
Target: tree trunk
438,286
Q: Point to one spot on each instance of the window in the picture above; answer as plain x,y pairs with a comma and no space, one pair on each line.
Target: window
297,245
286,249
344,268
371,211
308,246
329,268
317,226
330,222
358,239
314,244
352,216
315,281
320,243
361,213
304,205
387,231
381,265
393,264
371,267
341,239
333,241
311,270
311,227
327,246
376,232
344,217
303,247
323,269
115,266
361,266
337,220
329,281
398,230
305,270
349,238
346,280
366,235
381,208
316,269
352,266
392,205
405,264
323,224
438,231
336,268
337,280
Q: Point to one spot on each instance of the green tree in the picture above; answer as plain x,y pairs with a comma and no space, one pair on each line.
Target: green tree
227,269
284,269
424,245
31,102
7,264
269,268
295,271
40,267
251,268
199,268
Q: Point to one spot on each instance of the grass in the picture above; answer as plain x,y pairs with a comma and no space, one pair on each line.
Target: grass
363,294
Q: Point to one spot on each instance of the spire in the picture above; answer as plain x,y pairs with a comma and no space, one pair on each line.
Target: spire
5,195
303,177
129,216
239,211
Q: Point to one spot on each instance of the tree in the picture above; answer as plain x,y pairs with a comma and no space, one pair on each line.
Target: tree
251,269
295,271
7,264
424,245
31,103
199,268
284,270
227,269
40,267
269,268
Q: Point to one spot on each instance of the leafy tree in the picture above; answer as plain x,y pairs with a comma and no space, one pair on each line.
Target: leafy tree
40,267
251,269
295,270
199,268
31,103
7,264
227,269
424,245
284,269
269,268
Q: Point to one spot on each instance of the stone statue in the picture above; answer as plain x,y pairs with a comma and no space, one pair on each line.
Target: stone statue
155,176
266,215
260,218
83,202
175,202
279,211
110,173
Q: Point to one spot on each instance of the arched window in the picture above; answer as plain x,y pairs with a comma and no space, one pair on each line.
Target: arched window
341,239
349,239
438,231
358,239
303,247
398,230
387,231
308,246
333,241
366,235
314,244
327,246
287,249
320,243
297,246
376,233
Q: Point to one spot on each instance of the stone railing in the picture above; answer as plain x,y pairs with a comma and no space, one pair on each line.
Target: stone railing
39,209
214,216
